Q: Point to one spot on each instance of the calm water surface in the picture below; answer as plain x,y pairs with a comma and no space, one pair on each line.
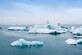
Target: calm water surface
53,44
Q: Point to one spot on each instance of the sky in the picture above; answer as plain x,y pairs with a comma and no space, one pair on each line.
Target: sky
39,11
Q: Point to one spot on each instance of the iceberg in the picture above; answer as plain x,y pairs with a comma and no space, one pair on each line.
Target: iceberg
16,28
47,29
73,41
22,42
76,31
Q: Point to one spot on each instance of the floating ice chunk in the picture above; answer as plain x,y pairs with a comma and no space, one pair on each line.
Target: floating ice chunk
71,41
22,42
76,31
16,43
47,28
16,28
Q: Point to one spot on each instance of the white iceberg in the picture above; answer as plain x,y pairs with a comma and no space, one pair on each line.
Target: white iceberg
47,28
16,28
22,42
73,41
76,31
47,31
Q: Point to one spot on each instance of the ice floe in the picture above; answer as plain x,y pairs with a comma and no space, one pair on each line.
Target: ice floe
73,41
47,28
17,28
22,42
76,31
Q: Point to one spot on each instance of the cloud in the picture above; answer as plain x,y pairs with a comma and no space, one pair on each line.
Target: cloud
21,13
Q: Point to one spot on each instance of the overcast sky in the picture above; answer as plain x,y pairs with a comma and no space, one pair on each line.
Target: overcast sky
39,11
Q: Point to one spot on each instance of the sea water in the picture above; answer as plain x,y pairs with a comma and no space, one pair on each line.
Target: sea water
53,44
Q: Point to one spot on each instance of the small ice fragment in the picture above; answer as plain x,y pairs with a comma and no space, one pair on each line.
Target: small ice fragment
71,41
